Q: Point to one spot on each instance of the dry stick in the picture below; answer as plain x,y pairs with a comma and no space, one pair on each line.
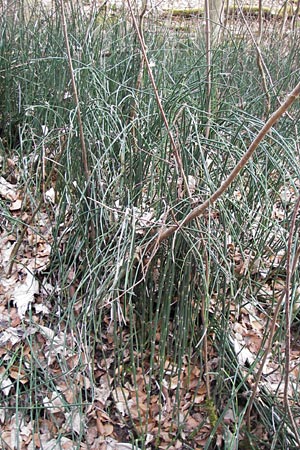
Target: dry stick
272,329
260,21
141,28
263,69
133,112
139,32
267,350
226,13
259,59
208,46
199,210
264,81
208,40
284,17
290,268
295,16
77,104
158,100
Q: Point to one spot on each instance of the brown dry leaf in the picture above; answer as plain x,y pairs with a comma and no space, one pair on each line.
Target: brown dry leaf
12,335
174,381
47,427
8,191
6,438
99,444
239,264
108,429
137,410
54,403
91,434
69,392
112,444
121,396
253,341
191,423
24,292
18,374
74,422
103,392
229,417
36,440
201,394
5,382
61,444
16,205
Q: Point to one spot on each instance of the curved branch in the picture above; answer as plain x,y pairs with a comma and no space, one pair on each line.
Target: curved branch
199,210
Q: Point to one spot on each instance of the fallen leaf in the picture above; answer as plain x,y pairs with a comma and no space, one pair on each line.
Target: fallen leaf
7,191
16,205
24,293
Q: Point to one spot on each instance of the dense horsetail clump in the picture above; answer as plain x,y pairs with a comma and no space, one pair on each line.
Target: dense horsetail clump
108,331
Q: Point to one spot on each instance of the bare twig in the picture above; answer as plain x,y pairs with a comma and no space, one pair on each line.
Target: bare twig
296,16
208,39
158,100
285,295
260,66
259,58
133,112
284,17
199,210
290,268
260,21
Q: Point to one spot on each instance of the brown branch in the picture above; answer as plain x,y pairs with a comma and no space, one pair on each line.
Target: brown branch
284,17
138,85
259,59
295,16
199,210
208,40
155,245
157,97
290,268
75,94
271,333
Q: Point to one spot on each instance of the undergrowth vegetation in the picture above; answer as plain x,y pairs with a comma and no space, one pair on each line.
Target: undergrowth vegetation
110,341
